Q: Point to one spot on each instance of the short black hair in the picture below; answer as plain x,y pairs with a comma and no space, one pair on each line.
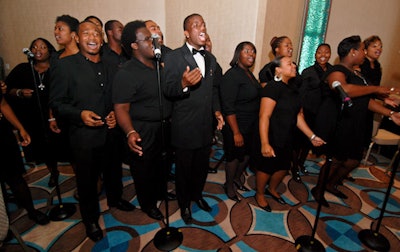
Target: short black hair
186,21
323,44
71,22
85,21
129,35
276,62
109,24
98,19
238,49
345,46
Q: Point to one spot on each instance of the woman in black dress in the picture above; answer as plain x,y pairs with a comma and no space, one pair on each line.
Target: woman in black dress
346,124
28,96
240,102
280,113
311,95
282,46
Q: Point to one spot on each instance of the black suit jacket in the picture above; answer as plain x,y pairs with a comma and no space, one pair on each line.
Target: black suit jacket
75,87
193,111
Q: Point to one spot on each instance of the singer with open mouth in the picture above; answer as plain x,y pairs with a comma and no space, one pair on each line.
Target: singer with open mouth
342,116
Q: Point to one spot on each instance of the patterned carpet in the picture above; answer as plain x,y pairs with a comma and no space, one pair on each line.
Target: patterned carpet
230,226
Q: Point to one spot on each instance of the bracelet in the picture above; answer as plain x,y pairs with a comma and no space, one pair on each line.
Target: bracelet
313,137
51,119
129,133
390,114
18,93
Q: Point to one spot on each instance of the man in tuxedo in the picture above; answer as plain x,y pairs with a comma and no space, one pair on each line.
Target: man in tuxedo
80,92
189,82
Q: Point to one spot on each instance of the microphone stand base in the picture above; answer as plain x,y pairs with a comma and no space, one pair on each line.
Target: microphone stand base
62,212
168,239
306,243
374,240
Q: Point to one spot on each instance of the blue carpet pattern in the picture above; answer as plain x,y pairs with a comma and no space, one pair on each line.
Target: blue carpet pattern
230,226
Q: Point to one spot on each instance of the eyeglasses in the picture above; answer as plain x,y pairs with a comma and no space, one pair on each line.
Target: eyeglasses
145,39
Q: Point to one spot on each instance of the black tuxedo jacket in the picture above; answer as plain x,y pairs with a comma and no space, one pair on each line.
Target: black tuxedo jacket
193,111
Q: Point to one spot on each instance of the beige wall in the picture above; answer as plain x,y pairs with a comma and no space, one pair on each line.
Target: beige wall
366,18
228,22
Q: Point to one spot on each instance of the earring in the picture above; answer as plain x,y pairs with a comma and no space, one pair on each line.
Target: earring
277,78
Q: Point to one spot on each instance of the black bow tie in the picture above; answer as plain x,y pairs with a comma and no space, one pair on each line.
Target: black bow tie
202,52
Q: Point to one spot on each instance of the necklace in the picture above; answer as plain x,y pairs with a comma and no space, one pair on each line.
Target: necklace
41,77
358,73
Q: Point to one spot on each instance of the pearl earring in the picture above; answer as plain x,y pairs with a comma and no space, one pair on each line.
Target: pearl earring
278,77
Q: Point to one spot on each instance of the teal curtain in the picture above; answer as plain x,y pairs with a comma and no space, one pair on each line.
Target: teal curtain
314,31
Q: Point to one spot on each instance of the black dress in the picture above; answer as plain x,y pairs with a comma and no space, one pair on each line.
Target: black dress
240,97
373,77
343,128
282,126
31,112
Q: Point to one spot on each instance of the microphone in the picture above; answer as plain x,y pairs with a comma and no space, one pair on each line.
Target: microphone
345,98
28,53
157,46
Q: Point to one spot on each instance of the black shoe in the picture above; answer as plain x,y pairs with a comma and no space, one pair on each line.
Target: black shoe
303,170
266,208
241,187
212,170
38,217
123,205
350,178
280,200
93,231
296,177
320,199
186,216
171,196
337,193
234,197
154,213
202,204
53,180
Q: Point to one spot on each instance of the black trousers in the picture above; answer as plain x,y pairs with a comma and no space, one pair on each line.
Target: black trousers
150,181
190,174
90,162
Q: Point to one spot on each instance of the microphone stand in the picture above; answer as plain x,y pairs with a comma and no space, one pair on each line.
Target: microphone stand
372,238
61,211
307,243
168,238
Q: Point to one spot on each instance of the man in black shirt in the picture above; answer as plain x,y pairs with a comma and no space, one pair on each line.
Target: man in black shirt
81,93
142,112
112,50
